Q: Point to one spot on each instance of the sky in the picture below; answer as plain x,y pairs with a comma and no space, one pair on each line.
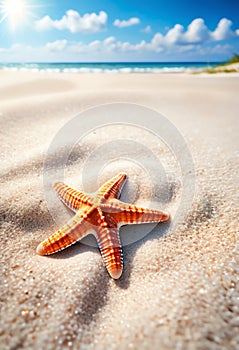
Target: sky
118,31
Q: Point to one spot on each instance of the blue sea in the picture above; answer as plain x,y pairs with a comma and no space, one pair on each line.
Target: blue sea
126,67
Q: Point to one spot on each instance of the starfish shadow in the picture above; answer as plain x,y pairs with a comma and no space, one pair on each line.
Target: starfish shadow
92,302
130,250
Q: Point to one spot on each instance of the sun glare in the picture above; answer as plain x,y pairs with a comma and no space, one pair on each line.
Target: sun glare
15,11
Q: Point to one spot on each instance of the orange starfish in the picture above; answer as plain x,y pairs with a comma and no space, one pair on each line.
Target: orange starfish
101,214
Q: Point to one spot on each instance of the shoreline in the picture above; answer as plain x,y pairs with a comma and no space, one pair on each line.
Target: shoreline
110,67
122,68
219,73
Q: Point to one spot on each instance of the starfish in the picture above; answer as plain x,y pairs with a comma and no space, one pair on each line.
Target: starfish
100,214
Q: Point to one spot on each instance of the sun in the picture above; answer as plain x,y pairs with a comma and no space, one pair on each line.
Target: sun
15,11
14,8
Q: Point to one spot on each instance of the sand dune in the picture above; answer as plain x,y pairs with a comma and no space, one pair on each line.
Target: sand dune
179,288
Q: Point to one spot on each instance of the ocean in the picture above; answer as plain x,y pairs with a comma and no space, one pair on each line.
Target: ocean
125,67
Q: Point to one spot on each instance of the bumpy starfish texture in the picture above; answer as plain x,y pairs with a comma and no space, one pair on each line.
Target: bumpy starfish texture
100,214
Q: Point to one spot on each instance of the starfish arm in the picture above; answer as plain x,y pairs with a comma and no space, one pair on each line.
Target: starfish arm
101,213
75,229
113,187
70,197
132,214
107,236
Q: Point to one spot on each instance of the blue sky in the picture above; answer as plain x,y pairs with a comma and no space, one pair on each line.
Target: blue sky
107,30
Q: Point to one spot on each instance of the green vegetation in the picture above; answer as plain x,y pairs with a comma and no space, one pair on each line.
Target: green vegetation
225,66
225,70
233,59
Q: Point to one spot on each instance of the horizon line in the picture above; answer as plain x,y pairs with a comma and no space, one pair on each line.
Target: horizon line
106,62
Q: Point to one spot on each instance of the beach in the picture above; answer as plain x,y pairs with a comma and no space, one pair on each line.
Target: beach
179,288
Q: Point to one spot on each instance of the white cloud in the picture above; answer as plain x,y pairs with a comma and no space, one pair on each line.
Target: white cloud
195,40
126,23
12,49
57,45
146,30
173,37
74,22
224,50
110,40
177,38
223,30
196,33
113,50
44,23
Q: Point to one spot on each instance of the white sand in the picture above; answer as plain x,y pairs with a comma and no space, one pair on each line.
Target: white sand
178,290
